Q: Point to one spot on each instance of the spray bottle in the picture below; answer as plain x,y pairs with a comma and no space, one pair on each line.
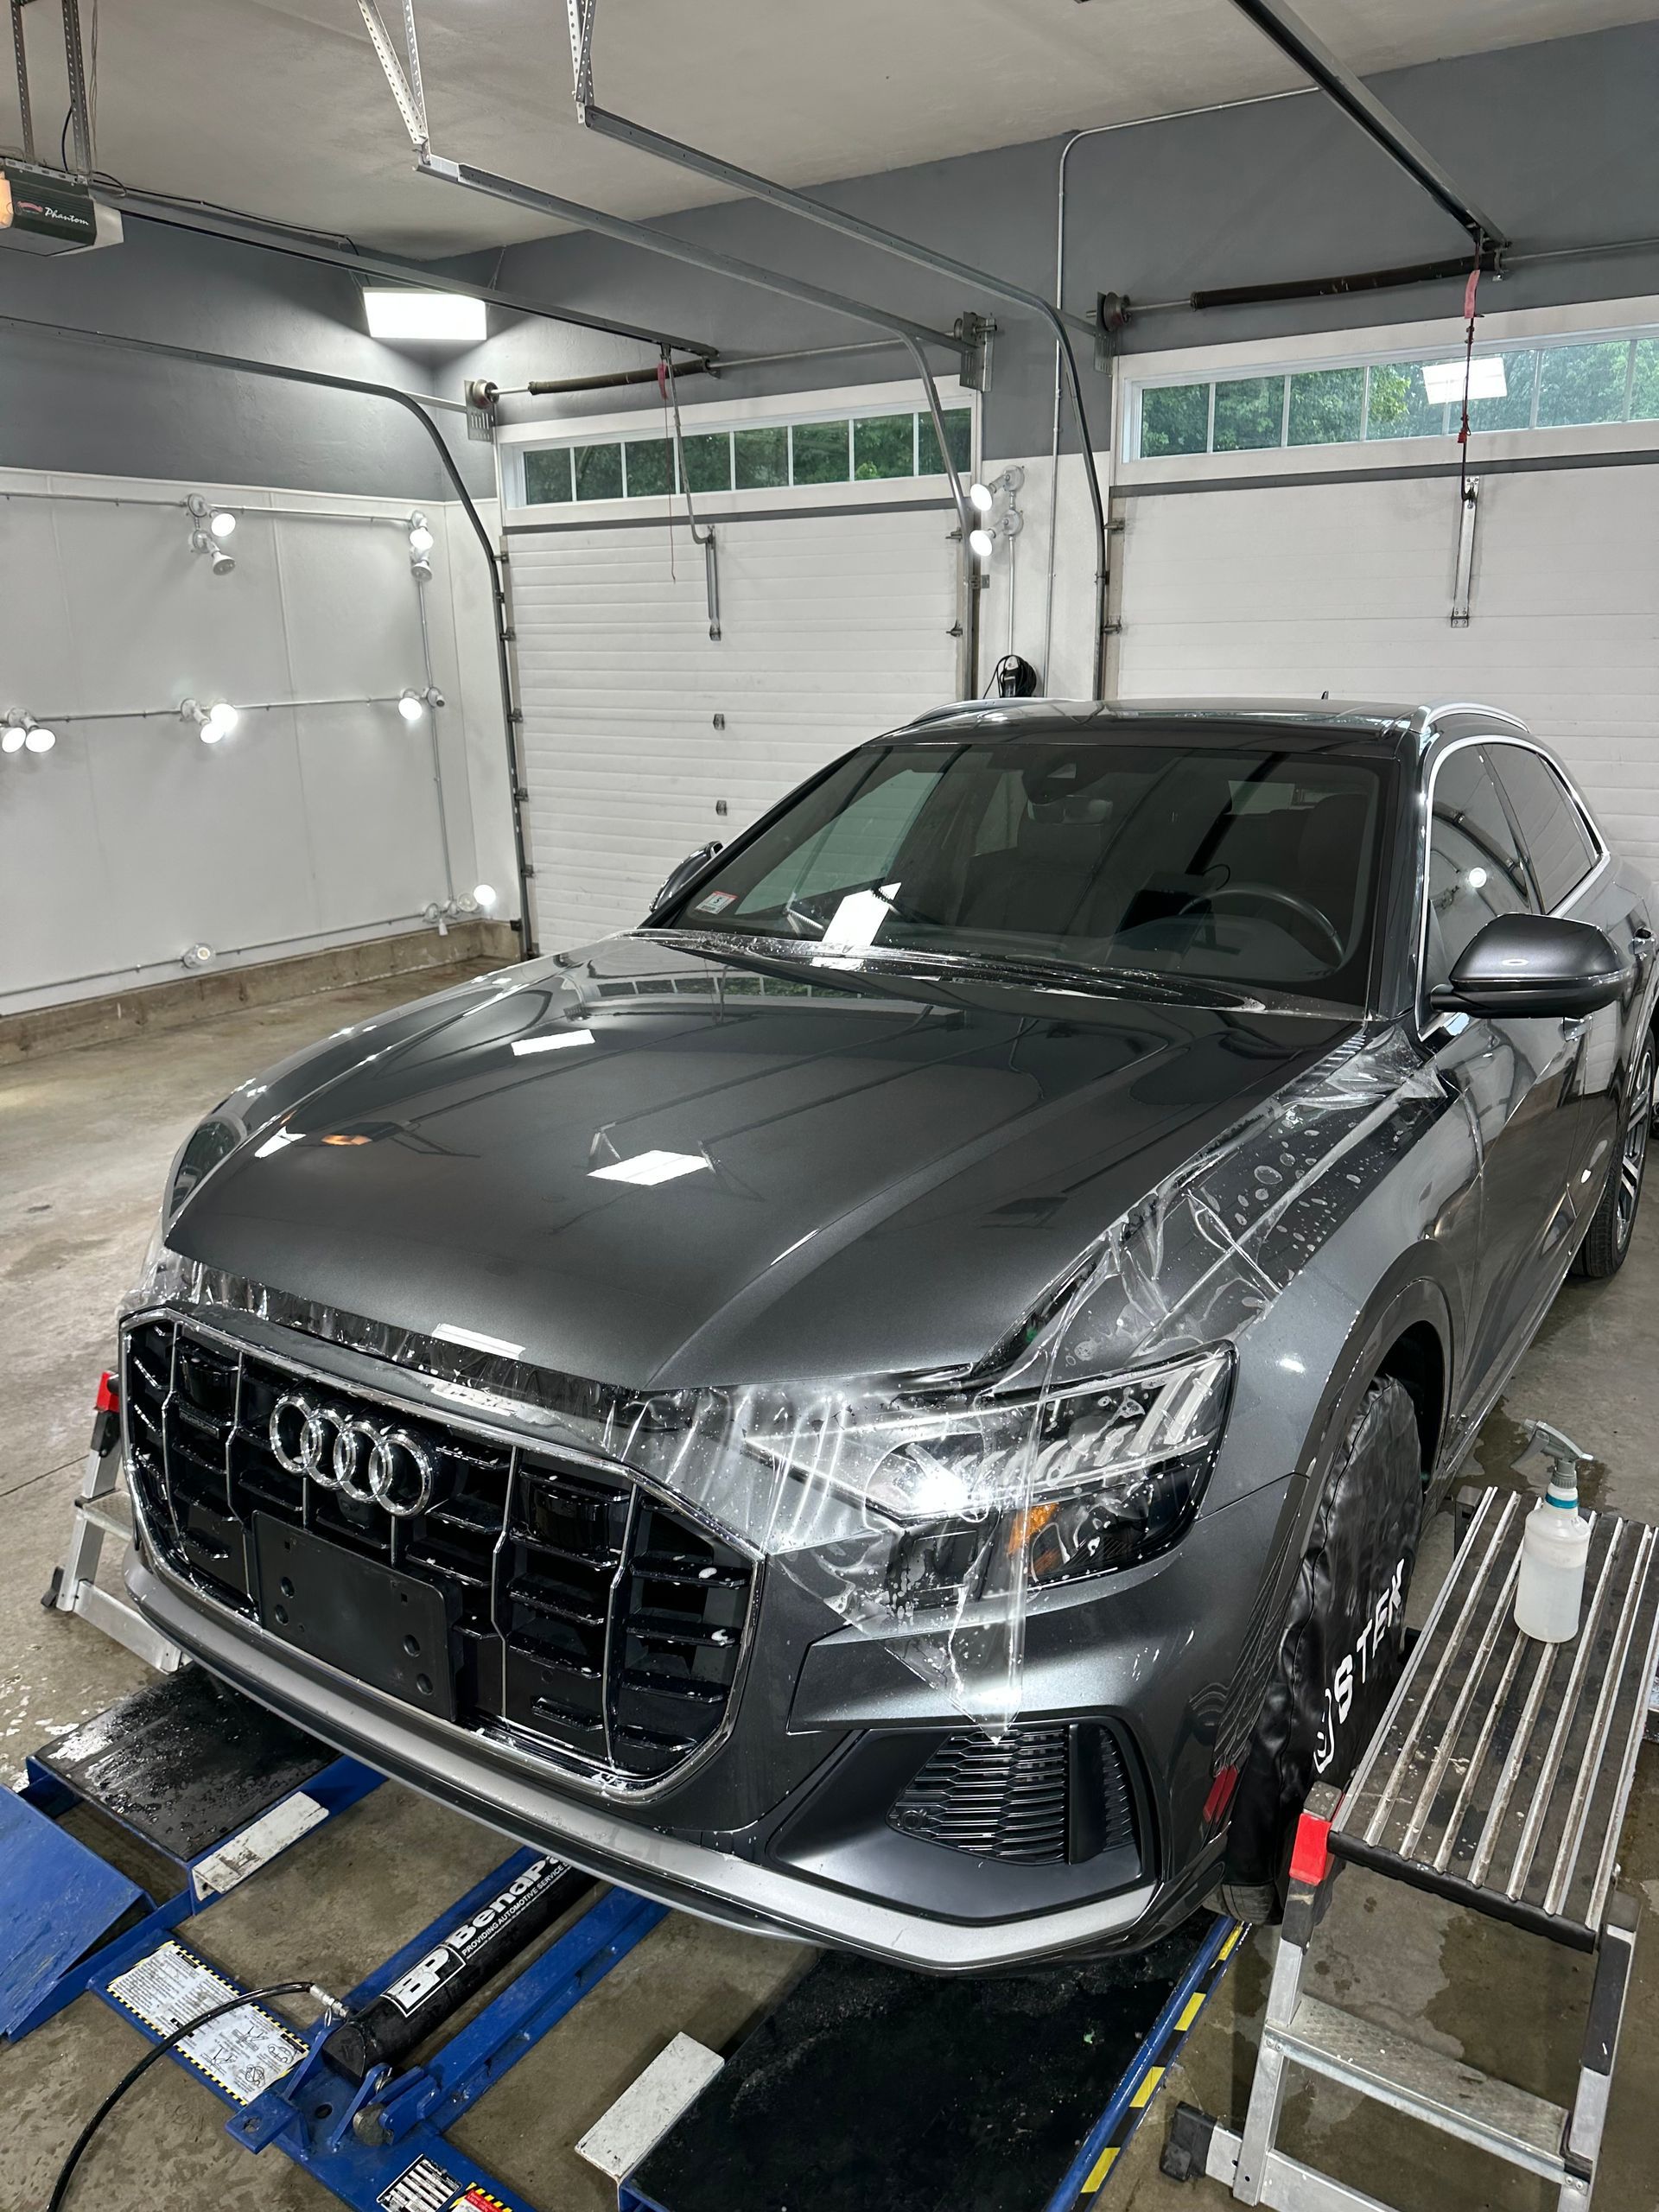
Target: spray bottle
1556,1542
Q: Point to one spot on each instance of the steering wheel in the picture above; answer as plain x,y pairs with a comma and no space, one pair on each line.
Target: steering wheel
1300,907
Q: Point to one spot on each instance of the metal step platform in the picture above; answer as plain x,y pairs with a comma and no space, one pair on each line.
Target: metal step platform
1498,1779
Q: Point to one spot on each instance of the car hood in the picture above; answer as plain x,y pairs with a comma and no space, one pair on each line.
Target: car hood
863,1170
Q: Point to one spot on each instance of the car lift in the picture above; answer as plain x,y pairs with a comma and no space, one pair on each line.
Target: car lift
364,2103
218,1788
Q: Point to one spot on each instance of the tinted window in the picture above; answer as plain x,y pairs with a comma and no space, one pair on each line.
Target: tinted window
1475,867
1231,861
1556,839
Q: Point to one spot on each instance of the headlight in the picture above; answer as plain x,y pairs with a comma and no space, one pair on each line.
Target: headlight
211,1142
1045,1487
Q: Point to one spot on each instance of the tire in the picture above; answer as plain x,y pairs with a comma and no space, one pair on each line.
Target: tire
1342,1649
1613,1223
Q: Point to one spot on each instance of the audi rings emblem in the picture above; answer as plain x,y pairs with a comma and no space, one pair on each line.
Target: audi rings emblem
361,1460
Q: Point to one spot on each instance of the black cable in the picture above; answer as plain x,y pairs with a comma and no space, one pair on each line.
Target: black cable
61,2188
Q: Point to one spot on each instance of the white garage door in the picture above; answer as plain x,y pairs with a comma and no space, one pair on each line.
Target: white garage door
835,626
1346,587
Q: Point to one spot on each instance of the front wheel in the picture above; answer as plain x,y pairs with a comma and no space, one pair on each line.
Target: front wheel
1343,1647
1613,1223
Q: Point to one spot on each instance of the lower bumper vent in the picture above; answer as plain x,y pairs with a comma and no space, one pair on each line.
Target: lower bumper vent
1041,1795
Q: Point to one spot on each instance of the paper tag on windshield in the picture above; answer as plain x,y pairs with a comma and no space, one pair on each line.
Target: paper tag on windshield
716,902
859,917
244,2051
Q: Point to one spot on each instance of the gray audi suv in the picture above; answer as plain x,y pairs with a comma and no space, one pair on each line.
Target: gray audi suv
895,1402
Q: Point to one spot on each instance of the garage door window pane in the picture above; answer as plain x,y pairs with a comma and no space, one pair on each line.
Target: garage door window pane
1174,419
884,445
1325,406
651,468
1644,391
1249,414
762,459
958,429
547,476
709,460
1400,405
1582,383
1514,411
818,453
598,472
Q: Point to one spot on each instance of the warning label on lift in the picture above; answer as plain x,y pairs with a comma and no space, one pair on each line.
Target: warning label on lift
423,2187
244,2051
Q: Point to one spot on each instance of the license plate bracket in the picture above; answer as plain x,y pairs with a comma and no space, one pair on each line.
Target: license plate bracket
388,1628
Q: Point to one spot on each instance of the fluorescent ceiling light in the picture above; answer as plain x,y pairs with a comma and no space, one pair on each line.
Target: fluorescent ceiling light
1443,380
451,1332
650,1167
560,1043
400,313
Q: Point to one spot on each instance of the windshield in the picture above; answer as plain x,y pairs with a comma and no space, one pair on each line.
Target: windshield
1233,862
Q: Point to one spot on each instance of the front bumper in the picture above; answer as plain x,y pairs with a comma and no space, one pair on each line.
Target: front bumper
495,1783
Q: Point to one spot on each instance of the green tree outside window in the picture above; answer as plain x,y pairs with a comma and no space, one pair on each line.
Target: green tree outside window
1249,414
1174,419
884,445
762,458
547,476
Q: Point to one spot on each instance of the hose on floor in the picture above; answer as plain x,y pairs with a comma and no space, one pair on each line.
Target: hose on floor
61,2188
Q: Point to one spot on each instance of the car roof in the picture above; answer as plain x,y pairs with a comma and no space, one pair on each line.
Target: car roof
1407,725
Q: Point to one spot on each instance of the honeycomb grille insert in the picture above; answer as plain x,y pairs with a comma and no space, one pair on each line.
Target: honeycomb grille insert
1042,1795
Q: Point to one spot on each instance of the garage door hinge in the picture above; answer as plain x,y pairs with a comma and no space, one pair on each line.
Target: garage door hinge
521,793
528,868
510,636
1111,629
515,715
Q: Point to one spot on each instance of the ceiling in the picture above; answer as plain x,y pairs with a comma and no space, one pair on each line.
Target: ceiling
278,107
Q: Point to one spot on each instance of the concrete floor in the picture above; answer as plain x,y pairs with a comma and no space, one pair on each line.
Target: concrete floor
84,1141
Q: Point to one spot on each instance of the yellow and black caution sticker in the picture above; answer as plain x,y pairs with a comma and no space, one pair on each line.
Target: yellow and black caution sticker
1141,2084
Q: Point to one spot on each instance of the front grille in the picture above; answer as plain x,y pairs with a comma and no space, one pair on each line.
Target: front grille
584,1613
1041,1795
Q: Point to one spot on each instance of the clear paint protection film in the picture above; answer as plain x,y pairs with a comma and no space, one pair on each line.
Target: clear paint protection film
934,1511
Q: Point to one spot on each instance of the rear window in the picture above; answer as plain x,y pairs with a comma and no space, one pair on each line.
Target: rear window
1558,844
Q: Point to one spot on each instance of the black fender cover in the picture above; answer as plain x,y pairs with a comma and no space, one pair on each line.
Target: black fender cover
1343,1643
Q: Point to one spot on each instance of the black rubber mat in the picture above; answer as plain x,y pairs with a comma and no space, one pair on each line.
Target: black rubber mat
184,1761
868,2087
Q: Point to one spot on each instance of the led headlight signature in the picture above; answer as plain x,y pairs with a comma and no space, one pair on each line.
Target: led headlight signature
1073,1481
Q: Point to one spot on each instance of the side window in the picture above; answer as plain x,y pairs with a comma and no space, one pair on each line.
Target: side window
857,845
1559,846
1475,867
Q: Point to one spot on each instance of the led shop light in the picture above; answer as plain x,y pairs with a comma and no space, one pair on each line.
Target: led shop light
22,731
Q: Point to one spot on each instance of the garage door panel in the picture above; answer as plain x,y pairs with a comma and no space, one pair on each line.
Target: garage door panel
1346,587
834,626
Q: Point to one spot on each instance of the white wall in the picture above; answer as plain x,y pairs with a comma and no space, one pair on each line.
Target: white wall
308,826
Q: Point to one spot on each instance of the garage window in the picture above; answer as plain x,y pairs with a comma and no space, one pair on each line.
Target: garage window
874,446
1558,384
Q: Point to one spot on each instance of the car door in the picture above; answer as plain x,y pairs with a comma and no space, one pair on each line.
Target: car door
1516,1075
1575,876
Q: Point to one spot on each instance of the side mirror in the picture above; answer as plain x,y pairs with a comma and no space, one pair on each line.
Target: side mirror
680,878
1532,964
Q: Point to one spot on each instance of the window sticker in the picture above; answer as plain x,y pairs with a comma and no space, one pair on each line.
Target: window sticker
716,902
